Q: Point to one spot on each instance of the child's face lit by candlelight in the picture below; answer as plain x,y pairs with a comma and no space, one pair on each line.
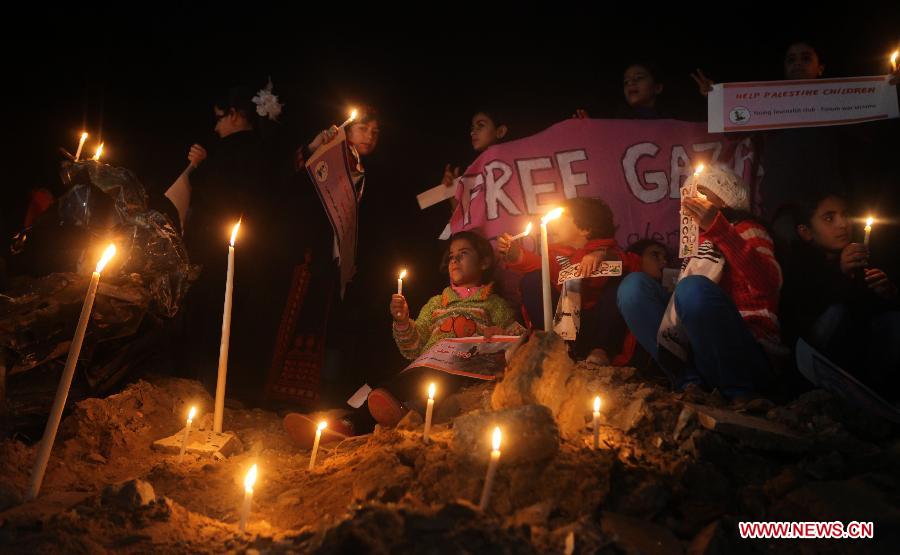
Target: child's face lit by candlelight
564,231
640,87
802,62
829,227
364,136
464,264
485,132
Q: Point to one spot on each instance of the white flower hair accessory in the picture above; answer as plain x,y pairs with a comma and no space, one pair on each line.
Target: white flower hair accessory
267,104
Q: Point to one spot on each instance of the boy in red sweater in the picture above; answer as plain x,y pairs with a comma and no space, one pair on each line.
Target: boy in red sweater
584,234
720,328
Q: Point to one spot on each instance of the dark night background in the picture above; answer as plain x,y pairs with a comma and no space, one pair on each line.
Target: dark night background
143,79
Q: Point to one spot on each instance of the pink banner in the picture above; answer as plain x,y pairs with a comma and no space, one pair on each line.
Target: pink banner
636,166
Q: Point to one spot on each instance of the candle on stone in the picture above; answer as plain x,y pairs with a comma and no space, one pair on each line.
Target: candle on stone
523,234
249,480
429,409
219,411
868,229
312,457
597,422
65,381
98,153
84,137
545,267
400,282
187,432
350,119
491,471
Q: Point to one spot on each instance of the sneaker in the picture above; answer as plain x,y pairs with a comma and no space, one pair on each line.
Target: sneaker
302,429
385,408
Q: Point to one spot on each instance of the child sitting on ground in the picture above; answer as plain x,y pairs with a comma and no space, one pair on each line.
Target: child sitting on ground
468,307
584,234
835,300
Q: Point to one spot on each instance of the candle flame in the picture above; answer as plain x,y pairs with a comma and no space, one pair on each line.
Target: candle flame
98,153
894,60
495,440
234,231
353,114
107,255
84,136
527,229
322,425
402,274
699,169
250,479
870,221
431,391
597,403
552,215
192,413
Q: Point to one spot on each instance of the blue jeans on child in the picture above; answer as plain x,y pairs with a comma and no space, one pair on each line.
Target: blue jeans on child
724,353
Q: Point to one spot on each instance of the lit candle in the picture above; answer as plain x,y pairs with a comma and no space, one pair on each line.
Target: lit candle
84,137
350,119
65,381
219,412
491,471
98,153
894,60
312,457
187,432
400,282
249,480
597,422
545,267
868,228
428,410
523,234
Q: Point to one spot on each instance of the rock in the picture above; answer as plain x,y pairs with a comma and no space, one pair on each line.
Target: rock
534,515
96,458
639,537
629,415
411,421
9,497
645,500
541,372
759,406
529,434
685,417
713,540
752,431
129,495
779,486
829,466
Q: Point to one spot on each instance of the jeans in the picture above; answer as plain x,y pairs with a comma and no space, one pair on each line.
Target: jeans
724,354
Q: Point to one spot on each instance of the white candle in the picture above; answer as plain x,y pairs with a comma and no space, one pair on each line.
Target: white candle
597,422
429,409
249,480
400,282
65,381
187,432
98,153
491,471
312,457
545,268
868,228
350,119
84,137
219,411
523,234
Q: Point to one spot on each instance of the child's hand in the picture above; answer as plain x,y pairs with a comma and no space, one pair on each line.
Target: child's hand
702,210
591,262
399,309
491,331
450,175
324,137
508,249
196,155
854,256
879,283
704,83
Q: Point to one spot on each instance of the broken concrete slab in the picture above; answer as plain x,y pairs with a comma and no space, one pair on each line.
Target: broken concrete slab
752,431
529,434
204,443
130,494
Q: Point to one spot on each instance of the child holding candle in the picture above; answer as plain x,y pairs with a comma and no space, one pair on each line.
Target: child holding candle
834,299
720,327
584,234
468,307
